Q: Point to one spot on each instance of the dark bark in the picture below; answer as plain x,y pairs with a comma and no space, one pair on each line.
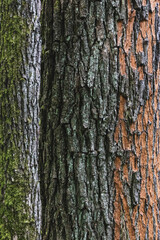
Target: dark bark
99,144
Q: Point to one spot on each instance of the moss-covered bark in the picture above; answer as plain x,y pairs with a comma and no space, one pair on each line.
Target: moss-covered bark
99,146
17,136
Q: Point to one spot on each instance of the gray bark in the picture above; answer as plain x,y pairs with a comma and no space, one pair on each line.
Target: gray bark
30,106
20,56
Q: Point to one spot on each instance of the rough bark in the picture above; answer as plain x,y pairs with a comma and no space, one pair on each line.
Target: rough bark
99,144
20,49
30,106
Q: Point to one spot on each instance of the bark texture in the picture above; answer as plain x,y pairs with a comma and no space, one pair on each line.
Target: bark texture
30,105
20,49
99,144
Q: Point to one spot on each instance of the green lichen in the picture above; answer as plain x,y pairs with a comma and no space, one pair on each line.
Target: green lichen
15,217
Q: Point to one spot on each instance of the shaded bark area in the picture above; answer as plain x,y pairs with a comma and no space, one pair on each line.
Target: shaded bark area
78,115
20,49
99,138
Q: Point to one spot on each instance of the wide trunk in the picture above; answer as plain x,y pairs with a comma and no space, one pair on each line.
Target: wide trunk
99,144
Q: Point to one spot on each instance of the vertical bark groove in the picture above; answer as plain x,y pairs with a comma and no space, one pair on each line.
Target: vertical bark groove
99,143
137,131
75,94
30,107
20,49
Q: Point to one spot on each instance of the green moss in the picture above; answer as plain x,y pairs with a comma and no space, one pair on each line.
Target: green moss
56,5
14,180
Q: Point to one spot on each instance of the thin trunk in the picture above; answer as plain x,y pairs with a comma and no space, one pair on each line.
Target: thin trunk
30,106
19,91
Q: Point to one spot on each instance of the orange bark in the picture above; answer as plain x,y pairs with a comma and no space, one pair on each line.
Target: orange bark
140,135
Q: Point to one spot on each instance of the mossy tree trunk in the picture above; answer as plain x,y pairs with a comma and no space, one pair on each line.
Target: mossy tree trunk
100,118
20,49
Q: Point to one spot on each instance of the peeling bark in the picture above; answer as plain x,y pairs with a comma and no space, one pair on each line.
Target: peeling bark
137,131
99,143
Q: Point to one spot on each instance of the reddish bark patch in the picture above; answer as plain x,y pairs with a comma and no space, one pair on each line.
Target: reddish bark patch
117,163
117,216
120,31
150,58
128,219
139,45
150,228
153,27
133,61
140,133
144,28
132,127
139,120
141,73
128,40
122,62
133,163
122,107
142,220
125,172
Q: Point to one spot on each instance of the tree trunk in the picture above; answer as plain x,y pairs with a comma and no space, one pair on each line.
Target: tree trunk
30,115
99,143
20,49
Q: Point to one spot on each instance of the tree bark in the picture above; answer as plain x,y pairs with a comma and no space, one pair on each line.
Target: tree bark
99,138
30,106
20,50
